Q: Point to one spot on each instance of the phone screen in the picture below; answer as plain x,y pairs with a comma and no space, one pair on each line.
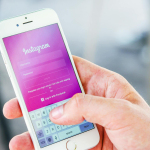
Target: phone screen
46,78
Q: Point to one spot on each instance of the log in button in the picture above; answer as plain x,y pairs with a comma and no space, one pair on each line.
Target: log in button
87,126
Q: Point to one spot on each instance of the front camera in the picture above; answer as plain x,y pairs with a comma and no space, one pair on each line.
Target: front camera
25,17
17,25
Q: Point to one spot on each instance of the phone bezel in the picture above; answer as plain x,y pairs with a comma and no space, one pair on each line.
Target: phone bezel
40,19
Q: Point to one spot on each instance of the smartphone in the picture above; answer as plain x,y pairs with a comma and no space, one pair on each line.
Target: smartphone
44,76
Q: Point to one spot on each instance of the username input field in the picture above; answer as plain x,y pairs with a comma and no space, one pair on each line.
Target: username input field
40,59
43,69
47,78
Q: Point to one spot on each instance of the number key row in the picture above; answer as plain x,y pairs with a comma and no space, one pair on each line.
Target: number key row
45,111
50,130
41,112
43,122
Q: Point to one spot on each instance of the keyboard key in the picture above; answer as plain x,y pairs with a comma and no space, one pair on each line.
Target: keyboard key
44,122
64,126
54,106
39,124
48,109
49,121
63,102
52,128
59,104
49,140
70,132
69,126
43,112
32,115
47,131
55,138
86,126
58,127
42,143
85,121
39,134
38,114
68,99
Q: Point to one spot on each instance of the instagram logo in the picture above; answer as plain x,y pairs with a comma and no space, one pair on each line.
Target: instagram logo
35,49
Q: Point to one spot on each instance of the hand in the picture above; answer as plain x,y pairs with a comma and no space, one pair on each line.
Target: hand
121,115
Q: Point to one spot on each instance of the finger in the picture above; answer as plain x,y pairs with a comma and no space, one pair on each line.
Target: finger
99,81
21,142
107,144
101,133
102,111
12,109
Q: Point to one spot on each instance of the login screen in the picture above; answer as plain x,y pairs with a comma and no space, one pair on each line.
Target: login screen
46,78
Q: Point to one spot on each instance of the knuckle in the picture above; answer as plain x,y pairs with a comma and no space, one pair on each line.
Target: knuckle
78,99
126,107
117,79
117,84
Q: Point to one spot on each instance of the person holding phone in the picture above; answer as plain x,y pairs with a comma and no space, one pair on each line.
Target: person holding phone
122,116
43,74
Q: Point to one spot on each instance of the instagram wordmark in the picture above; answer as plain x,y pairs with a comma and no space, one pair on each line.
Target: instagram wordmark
35,49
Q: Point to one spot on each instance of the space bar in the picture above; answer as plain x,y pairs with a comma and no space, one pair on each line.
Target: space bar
68,133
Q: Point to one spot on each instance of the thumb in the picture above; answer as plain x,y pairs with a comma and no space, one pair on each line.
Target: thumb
93,109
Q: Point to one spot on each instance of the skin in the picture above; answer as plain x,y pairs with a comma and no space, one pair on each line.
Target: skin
121,114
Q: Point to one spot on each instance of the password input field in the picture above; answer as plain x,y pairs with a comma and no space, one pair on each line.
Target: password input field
40,59
48,77
43,69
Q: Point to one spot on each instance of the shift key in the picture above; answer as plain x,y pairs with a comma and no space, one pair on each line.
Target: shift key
68,133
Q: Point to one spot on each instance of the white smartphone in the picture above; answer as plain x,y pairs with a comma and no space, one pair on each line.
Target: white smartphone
44,76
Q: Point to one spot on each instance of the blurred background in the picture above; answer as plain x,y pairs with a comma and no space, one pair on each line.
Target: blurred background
111,33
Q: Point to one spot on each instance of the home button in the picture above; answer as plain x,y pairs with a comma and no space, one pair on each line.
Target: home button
70,145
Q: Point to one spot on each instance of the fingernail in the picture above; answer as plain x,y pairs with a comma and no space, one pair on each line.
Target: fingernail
57,112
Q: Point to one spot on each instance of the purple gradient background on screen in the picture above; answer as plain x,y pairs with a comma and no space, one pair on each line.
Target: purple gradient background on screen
51,35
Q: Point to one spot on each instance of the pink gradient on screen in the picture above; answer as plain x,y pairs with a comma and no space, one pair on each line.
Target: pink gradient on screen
48,74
